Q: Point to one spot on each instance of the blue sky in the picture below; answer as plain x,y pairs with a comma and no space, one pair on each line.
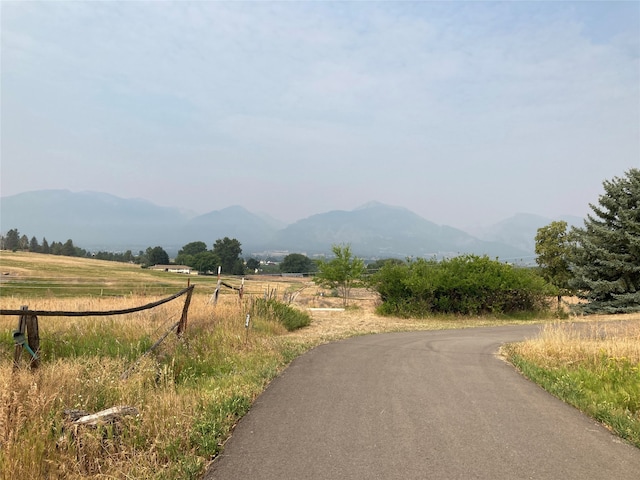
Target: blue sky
463,112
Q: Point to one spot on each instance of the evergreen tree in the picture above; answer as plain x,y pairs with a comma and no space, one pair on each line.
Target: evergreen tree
23,243
56,248
45,246
12,239
68,249
606,257
33,245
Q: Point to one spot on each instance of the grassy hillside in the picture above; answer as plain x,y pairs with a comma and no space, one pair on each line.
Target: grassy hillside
36,275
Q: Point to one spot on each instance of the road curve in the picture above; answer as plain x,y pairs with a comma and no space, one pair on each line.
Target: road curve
423,405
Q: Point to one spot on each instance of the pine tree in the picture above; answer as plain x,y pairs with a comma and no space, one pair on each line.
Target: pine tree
606,257
68,249
34,246
23,244
12,239
45,246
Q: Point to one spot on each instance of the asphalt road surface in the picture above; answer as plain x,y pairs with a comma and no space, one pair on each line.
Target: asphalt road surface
424,405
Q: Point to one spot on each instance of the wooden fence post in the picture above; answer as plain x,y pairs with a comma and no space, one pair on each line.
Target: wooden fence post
22,325
33,340
182,325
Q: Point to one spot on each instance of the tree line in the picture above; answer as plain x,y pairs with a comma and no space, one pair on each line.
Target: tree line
225,253
599,263
14,241
225,250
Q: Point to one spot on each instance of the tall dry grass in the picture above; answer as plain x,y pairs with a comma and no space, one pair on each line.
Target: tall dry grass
188,393
564,344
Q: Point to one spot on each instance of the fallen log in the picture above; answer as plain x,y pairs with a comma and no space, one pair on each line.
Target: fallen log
106,416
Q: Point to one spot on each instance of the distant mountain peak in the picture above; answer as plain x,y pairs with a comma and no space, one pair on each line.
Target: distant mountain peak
234,208
376,204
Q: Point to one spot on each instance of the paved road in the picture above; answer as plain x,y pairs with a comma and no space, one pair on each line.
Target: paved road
426,405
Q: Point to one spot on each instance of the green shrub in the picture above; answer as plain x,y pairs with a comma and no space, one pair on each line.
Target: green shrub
468,285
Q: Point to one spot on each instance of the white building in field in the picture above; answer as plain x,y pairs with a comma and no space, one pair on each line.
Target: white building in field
175,269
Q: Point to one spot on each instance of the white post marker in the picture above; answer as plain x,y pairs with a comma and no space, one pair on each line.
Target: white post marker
246,328
214,297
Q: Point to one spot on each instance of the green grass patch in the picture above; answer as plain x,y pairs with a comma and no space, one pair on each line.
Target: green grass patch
606,389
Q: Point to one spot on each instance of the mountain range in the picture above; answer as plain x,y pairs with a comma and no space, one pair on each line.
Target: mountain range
100,221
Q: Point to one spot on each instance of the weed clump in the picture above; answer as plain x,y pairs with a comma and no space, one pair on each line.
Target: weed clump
271,309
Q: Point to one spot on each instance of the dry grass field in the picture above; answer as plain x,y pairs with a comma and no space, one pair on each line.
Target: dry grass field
189,392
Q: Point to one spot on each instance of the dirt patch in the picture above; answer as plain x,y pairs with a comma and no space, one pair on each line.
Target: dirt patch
331,321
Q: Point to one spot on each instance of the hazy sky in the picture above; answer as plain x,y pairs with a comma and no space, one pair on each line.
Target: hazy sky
463,112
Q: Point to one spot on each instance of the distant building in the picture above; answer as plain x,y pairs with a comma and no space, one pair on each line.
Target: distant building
175,269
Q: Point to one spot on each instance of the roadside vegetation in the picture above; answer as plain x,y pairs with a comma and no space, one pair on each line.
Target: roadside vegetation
595,368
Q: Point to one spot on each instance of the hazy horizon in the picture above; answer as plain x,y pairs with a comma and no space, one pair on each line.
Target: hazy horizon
193,213
465,113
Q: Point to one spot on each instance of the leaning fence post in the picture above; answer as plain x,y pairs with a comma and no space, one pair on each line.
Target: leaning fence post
182,326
